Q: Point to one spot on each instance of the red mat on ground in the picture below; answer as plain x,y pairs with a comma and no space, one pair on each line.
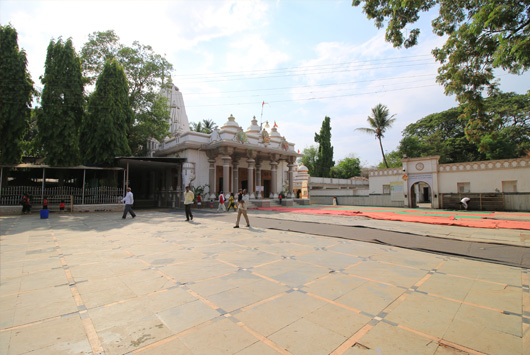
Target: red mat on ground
390,216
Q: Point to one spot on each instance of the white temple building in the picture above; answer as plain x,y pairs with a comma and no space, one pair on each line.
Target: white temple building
230,158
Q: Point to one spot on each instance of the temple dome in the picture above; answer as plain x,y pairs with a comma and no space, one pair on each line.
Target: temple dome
231,123
254,128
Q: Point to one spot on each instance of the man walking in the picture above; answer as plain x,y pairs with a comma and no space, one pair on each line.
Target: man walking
221,207
242,202
188,201
128,200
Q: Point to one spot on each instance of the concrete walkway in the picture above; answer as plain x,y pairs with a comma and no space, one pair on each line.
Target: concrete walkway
97,284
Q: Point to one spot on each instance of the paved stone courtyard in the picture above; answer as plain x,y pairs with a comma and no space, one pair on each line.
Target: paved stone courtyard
97,284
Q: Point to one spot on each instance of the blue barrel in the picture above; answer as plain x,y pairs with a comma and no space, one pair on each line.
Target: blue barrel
44,214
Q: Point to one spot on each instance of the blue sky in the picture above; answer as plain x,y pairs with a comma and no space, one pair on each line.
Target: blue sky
305,59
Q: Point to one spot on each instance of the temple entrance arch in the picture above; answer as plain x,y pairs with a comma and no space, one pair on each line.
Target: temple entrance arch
421,195
420,190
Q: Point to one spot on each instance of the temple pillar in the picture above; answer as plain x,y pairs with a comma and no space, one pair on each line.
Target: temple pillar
251,178
226,173
291,166
258,179
235,176
274,179
211,181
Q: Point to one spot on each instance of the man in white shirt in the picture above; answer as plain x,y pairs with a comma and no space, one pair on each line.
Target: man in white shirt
188,201
464,202
128,200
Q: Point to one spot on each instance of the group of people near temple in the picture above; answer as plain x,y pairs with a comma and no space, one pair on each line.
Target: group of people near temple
189,198
242,203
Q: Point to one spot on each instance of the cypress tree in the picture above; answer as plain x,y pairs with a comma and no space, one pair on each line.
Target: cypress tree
62,111
16,91
105,128
324,161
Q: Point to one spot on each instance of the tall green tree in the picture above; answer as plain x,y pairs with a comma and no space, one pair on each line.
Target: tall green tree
509,115
440,134
443,133
347,168
152,122
324,161
309,159
393,159
105,128
147,73
379,122
482,35
16,92
63,104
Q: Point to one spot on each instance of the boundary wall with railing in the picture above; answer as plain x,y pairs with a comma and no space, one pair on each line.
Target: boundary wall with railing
11,195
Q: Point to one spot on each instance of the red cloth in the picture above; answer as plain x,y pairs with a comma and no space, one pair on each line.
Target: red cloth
390,216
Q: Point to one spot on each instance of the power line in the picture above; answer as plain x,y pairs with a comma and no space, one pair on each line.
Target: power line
315,98
309,92
299,68
307,86
302,74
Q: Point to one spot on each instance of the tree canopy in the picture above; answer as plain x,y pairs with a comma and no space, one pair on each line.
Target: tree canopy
509,114
443,133
104,131
309,159
61,114
482,35
206,126
16,92
147,72
324,161
347,168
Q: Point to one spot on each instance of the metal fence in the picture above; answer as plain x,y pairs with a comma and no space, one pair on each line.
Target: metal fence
11,196
493,201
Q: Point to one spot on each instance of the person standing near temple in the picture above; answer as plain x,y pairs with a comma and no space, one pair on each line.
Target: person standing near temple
221,206
188,201
242,203
26,204
231,202
129,201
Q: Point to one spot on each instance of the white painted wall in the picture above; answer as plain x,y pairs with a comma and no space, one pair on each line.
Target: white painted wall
486,176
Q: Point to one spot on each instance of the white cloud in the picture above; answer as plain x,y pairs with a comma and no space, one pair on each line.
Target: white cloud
252,53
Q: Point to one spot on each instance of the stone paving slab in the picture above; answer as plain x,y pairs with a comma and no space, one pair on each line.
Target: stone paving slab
97,284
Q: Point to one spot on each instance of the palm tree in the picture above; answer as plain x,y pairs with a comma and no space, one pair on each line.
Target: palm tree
196,127
379,122
208,126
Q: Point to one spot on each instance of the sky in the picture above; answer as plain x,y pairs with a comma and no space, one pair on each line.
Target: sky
306,59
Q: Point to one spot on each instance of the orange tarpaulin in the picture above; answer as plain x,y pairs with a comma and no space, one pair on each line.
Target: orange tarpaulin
391,216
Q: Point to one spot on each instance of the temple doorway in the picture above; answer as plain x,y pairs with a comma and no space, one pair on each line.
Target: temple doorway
421,195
